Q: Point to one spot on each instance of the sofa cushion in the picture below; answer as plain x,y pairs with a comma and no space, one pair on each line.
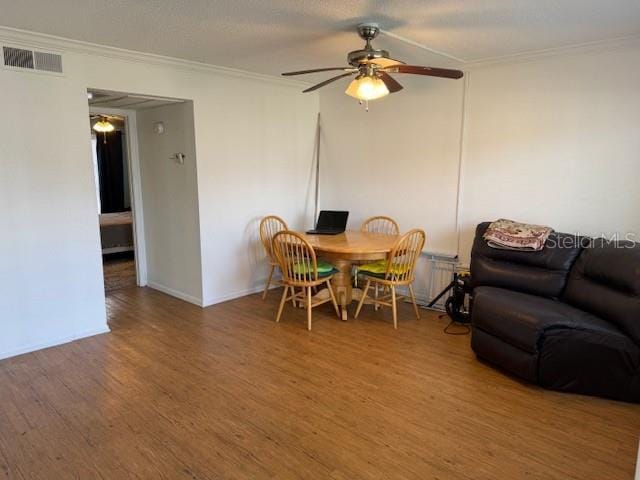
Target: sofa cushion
505,355
521,319
541,273
606,282
592,363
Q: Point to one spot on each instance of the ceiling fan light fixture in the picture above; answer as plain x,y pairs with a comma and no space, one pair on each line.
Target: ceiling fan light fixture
367,88
372,67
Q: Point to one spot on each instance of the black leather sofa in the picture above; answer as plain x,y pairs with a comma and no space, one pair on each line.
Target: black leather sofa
566,318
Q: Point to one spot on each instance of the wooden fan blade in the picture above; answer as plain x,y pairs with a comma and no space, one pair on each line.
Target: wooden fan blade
326,82
386,62
391,83
430,71
329,69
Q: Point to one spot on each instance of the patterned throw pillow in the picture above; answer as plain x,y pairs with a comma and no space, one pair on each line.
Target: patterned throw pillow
510,235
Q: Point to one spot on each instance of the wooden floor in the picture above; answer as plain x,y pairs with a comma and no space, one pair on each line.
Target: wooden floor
177,392
119,271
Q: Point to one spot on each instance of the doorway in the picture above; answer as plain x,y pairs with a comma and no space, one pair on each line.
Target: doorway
111,156
129,137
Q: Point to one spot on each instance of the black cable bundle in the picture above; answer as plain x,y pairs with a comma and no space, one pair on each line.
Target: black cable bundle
455,304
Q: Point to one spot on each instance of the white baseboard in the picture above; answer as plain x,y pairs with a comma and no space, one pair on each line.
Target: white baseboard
175,293
207,302
53,342
420,299
237,294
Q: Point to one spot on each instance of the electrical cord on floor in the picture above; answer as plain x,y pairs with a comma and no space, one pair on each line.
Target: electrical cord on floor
466,329
459,315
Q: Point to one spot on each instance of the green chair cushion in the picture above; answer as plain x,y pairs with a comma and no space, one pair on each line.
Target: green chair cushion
378,269
324,269
330,272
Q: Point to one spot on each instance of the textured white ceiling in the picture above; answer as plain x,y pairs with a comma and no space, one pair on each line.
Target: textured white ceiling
271,36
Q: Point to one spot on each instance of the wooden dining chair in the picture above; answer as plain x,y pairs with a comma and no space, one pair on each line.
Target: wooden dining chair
398,270
269,226
377,224
300,269
380,224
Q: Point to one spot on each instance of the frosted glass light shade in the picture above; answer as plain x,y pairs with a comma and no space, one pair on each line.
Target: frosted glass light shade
367,88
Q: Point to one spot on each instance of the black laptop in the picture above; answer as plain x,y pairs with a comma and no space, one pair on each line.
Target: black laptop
330,222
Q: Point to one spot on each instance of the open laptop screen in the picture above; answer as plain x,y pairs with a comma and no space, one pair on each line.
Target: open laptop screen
332,220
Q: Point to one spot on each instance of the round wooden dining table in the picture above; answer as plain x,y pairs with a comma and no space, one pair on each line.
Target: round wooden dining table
345,249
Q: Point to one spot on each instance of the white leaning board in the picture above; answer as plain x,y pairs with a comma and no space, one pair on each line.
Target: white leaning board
638,464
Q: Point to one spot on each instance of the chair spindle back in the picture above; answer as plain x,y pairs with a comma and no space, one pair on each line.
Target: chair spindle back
296,257
402,260
380,224
269,226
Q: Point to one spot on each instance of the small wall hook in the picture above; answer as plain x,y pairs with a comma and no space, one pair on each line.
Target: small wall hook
178,157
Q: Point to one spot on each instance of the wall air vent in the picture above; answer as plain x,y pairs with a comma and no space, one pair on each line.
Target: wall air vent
24,59
17,57
48,62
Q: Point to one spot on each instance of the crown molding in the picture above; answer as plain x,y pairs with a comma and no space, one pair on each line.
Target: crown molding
529,56
577,49
63,45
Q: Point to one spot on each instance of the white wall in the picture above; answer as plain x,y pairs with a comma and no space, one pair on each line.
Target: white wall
555,141
399,159
51,288
263,141
170,201
250,130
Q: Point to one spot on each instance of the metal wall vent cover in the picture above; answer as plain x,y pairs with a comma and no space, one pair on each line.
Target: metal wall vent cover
48,62
17,57
21,58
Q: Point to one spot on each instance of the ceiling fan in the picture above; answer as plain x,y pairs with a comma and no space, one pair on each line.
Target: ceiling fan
372,68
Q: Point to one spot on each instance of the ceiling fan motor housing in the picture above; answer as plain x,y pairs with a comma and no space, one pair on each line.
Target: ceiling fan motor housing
358,57
367,31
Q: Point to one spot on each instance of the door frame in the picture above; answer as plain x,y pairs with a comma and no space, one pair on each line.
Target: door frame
135,186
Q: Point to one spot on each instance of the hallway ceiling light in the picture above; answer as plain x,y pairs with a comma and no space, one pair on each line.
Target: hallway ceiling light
104,126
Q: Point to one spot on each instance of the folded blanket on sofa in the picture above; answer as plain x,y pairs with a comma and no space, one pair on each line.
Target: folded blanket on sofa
510,235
